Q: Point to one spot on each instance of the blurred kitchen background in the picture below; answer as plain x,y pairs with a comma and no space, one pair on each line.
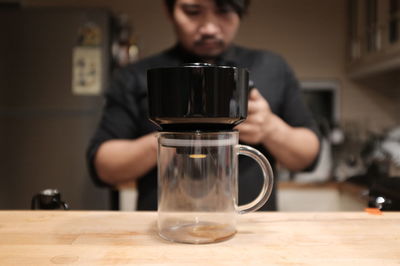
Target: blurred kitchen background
56,58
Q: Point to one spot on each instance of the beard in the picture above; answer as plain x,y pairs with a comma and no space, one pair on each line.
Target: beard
209,47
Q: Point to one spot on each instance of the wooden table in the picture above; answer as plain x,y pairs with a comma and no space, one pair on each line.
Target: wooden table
108,238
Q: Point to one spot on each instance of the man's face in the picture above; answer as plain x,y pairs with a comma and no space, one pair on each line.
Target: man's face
203,28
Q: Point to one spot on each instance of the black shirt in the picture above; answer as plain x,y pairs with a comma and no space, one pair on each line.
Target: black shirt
125,114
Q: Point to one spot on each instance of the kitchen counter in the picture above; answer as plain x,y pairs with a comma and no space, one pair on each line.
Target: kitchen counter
322,197
108,238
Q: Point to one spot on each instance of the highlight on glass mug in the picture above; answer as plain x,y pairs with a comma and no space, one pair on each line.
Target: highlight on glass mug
198,185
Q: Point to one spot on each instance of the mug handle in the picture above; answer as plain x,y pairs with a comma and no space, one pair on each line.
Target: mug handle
268,175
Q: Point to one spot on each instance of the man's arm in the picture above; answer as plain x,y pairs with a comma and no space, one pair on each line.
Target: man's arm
119,151
293,147
118,161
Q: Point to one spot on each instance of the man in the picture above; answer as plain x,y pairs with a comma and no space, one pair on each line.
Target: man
124,147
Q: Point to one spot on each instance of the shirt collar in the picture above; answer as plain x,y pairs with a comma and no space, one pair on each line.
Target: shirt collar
226,58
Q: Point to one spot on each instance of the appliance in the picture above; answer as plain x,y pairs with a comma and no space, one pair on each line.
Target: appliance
53,65
322,98
384,194
48,199
197,106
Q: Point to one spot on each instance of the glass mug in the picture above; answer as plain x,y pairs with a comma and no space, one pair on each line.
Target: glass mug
198,185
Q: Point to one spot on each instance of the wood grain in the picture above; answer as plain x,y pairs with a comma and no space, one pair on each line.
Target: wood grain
118,238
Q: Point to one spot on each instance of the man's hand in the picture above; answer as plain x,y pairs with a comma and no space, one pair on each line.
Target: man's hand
254,129
293,147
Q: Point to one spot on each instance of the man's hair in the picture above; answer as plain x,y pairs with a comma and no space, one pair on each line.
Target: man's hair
239,6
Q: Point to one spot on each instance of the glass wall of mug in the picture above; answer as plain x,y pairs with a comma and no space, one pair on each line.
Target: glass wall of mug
198,185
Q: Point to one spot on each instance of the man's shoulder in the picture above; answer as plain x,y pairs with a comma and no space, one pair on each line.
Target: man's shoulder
157,60
133,75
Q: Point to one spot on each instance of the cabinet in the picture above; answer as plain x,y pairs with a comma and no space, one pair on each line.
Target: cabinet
374,37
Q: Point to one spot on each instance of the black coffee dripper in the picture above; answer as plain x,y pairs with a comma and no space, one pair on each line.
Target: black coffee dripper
198,97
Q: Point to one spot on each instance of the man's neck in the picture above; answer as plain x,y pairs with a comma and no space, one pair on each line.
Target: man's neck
189,57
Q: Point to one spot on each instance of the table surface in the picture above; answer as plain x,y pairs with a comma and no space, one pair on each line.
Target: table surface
263,238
